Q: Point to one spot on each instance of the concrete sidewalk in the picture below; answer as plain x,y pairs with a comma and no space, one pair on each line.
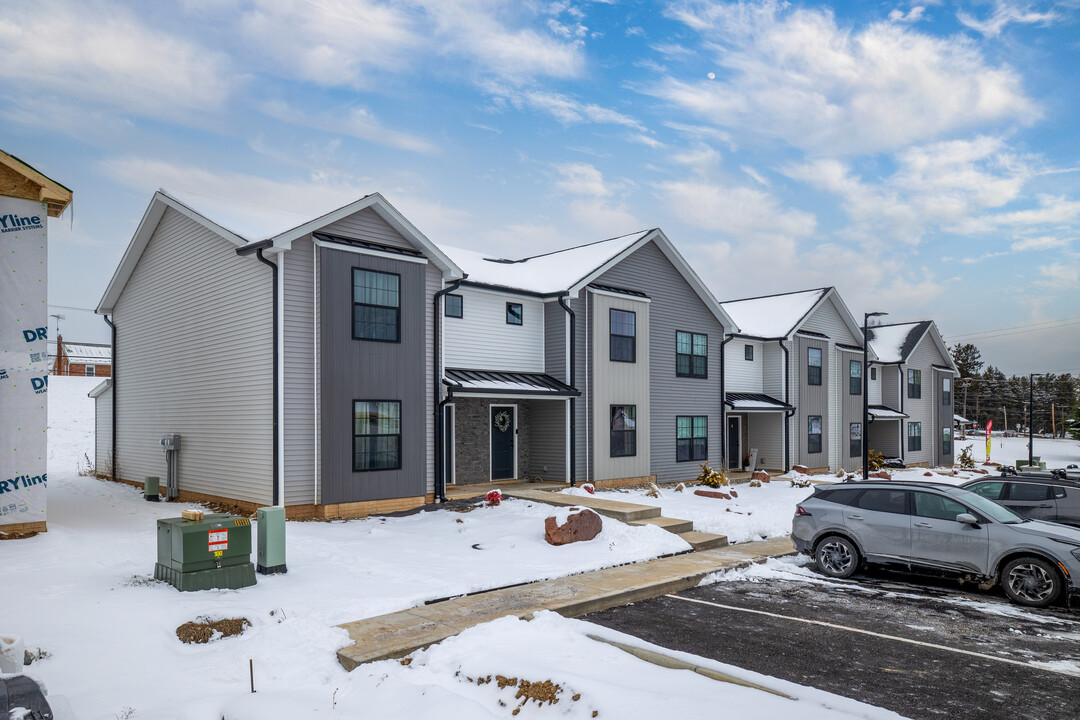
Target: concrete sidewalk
400,633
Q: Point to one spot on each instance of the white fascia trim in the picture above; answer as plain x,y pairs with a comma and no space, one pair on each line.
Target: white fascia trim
942,348
366,251
621,296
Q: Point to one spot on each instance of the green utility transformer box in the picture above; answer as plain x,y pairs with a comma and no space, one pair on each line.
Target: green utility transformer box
212,552
271,540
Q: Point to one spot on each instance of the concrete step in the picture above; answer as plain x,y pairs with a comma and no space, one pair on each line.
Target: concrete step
704,540
624,511
672,525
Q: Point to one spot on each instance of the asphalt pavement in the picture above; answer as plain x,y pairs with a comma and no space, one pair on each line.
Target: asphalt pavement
922,647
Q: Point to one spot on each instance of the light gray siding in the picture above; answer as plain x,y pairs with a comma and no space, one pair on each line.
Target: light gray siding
367,225
194,356
103,433
556,324
547,439
827,319
923,409
889,376
583,406
765,431
813,400
884,436
674,306
298,367
366,370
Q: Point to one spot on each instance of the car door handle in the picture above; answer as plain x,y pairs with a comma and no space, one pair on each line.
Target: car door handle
855,517
922,524
1048,505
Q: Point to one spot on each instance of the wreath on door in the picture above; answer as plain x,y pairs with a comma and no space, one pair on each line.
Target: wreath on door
502,421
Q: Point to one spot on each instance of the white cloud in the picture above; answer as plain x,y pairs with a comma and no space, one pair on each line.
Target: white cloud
1005,12
796,75
1046,242
563,108
739,212
913,15
357,122
101,54
1051,210
755,175
594,202
1060,277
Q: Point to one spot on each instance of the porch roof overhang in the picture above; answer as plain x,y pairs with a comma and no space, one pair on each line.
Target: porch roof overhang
463,381
883,412
755,402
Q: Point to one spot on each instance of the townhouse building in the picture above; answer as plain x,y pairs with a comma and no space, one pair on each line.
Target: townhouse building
911,394
793,382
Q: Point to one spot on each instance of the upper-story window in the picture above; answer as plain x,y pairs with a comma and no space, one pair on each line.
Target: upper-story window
90,371
946,392
691,355
376,305
873,373
455,306
854,377
914,383
748,352
623,328
514,314
813,366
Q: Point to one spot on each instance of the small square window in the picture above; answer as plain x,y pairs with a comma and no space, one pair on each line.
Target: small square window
748,352
513,314
455,306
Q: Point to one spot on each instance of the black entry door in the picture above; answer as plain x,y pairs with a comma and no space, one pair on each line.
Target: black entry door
502,443
733,443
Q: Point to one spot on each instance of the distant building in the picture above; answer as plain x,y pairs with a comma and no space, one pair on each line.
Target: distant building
81,359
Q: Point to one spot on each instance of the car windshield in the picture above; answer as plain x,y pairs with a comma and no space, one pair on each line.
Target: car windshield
991,509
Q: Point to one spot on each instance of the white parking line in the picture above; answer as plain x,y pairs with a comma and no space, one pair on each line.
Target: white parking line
1031,666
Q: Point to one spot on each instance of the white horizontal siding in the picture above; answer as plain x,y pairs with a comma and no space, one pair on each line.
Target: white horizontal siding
103,432
740,374
874,388
482,339
772,371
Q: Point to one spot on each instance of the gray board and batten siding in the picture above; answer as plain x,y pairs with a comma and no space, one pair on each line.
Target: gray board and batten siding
851,407
945,414
813,400
192,303
674,306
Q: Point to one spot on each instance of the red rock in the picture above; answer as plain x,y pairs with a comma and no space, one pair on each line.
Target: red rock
800,469
734,494
579,526
760,475
978,470
992,464
928,474
881,475
713,494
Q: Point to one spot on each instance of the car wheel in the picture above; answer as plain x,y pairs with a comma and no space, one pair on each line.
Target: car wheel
1031,581
836,557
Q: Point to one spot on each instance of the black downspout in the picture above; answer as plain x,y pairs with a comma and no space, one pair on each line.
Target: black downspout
439,491
573,384
900,386
787,401
112,375
723,403
258,248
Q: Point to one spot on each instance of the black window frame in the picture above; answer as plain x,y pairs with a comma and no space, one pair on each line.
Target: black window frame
612,343
914,383
357,436
946,390
873,373
695,451
748,352
946,440
520,314
460,306
812,377
810,437
854,381
855,444
914,440
397,309
624,434
696,369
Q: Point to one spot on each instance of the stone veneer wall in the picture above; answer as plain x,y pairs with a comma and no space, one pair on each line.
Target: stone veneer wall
472,438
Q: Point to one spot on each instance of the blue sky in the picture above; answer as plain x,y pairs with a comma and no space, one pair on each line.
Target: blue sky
922,157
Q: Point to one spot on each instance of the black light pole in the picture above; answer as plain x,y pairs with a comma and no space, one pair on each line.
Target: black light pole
1031,409
866,394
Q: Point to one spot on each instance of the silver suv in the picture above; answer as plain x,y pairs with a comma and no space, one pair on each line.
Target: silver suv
1039,496
938,527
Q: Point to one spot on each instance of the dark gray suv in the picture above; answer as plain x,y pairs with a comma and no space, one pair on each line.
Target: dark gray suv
1039,497
942,528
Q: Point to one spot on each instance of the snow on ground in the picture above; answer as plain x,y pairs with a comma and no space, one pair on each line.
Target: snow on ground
86,597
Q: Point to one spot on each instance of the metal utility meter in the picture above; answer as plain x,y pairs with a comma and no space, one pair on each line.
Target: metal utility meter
171,445
211,551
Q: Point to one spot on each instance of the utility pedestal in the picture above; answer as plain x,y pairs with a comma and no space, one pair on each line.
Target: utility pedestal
271,530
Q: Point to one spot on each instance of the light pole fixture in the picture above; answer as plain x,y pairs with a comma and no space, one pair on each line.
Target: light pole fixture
866,394
1031,409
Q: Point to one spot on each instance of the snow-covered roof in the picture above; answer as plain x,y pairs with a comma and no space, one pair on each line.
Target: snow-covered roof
88,353
881,412
739,401
960,419
773,316
546,273
462,380
893,343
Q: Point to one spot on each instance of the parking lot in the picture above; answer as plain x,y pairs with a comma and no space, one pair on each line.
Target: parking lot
922,647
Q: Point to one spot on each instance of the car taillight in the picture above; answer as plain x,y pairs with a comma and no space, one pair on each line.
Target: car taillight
800,510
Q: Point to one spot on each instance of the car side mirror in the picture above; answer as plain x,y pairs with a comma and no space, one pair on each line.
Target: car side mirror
967,519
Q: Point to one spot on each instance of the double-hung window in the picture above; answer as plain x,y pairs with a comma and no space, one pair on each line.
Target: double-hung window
376,435
914,436
376,306
623,430
622,325
813,366
691,355
854,377
946,391
855,450
914,383
691,438
813,434
946,441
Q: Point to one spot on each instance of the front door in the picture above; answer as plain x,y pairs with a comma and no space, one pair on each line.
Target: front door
734,437
503,450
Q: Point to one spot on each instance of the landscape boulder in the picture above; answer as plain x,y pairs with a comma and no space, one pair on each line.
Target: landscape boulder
880,475
579,526
713,494
800,469
760,475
